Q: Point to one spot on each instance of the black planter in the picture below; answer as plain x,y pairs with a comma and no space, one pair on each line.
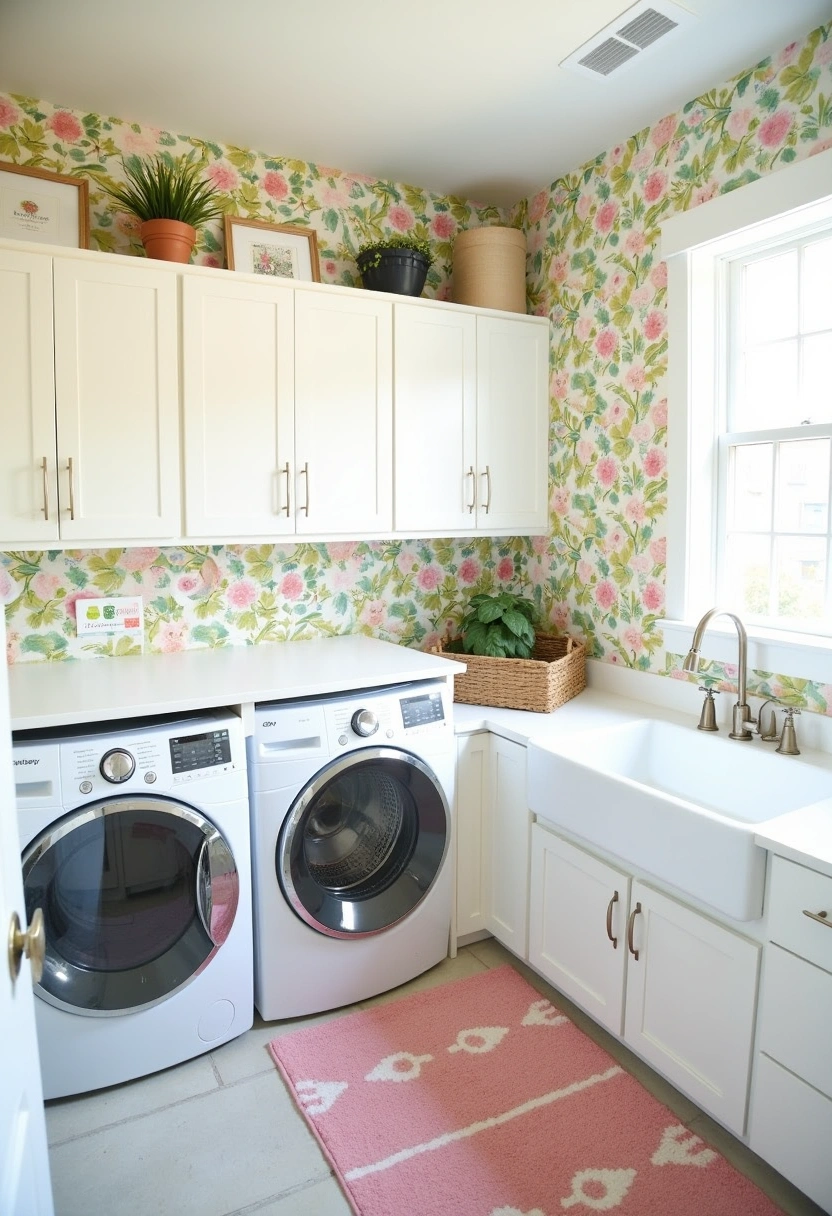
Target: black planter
400,270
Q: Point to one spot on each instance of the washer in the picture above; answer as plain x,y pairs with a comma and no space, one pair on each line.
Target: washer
351,833
136,845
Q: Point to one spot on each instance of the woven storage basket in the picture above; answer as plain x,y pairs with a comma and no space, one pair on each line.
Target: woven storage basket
555,674
490,268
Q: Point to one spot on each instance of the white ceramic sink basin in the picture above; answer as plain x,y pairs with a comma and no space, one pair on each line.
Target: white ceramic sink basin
675,802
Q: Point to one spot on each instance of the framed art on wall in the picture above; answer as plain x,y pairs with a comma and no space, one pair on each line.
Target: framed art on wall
37,205
283,251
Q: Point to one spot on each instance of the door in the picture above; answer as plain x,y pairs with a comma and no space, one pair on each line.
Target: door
512,425
508,823
343,414
24,1164
28,497
472,866
435,395
239,404
117,400
363,842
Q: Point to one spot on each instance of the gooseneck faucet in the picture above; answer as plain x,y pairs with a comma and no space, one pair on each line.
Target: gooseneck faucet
741,711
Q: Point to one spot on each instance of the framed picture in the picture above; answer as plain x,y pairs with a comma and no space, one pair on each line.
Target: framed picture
282,251
36,205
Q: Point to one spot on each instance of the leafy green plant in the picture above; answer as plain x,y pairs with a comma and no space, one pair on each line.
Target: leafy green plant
501,626
370,253
166,188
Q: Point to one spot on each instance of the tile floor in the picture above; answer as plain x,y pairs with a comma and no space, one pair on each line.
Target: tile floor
219,1135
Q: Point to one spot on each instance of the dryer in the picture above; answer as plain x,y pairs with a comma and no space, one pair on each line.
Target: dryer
136,845
351,836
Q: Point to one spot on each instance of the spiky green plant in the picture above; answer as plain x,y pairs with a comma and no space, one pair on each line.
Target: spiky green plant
500,626
163,188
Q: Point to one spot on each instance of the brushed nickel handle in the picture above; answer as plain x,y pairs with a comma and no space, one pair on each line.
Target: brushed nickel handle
305,473
71,488
821,917
288,508
473,501
32,943
45,472
610,906
487,476
630,924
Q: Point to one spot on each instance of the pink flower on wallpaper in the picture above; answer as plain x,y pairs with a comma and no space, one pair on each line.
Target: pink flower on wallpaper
223,177
66,126
429,578
540,544
291,586
73,597
172,637
140,143
641,296
138,559
210,574
584,572
560,500
705,193
12,647
332,197
615,539
583,206
614,414
44,586
786,55
634,638
823,55
658,550
560,383
9,114
615,281
616,154
641,432
642,159
821,147
658,413
443,226
188,583
559,268
469,570
640,563
663,131
583,328
774,130
241,594
635,510
210,259
652,597
605,594
606,470
330,268
537,207
606,343
129,225
400,218
407,562
8,587
658,275
373,613
505,569
341,550
739,121
635,242
654,463
275,185
584,450
654,325
605,217
635,378
655,187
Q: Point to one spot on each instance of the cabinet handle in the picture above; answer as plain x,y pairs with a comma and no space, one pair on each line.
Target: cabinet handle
45,471
305,473
473,501
821,917
487,476
610,905
630,924
287,509
71,488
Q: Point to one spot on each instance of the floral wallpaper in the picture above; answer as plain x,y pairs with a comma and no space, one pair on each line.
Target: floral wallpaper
593,266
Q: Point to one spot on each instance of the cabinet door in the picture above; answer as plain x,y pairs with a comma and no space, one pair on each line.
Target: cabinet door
238,386
512,425
691,996
508,827
28,494
343,413
472,868
117,394
435,402
577,923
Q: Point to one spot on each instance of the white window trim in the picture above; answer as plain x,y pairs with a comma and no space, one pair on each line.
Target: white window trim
692,244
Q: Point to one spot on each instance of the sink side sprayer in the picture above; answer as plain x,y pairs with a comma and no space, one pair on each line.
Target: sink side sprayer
741,711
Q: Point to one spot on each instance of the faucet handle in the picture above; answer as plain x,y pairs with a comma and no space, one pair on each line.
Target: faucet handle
707,719
770,734
788,740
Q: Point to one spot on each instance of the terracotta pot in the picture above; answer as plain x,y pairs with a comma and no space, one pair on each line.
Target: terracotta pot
169,240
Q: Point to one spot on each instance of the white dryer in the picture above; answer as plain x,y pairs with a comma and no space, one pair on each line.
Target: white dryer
136,847
351,833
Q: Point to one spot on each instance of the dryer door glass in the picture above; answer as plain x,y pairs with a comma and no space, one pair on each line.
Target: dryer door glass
363,842
137,894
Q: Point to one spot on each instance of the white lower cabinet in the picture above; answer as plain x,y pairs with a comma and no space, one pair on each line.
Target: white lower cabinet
678,986
472,870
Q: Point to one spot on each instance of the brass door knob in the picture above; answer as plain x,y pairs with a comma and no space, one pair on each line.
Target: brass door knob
32,943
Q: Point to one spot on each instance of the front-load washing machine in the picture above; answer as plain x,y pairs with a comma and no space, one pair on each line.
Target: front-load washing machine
351,833
136,847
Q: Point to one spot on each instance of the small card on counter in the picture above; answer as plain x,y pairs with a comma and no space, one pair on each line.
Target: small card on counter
116,614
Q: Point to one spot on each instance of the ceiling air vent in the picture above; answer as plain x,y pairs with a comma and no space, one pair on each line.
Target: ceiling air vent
627,38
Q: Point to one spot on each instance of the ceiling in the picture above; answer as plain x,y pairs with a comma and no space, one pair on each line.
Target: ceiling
458,98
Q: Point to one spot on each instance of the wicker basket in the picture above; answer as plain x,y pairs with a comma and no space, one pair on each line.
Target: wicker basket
555,674
490,268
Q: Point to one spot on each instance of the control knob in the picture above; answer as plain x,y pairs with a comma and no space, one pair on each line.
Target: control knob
117,766
364,723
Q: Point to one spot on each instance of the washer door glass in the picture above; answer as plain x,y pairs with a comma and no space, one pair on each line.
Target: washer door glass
363,842
137,894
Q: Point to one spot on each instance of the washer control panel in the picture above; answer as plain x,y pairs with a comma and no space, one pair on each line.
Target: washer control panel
422,710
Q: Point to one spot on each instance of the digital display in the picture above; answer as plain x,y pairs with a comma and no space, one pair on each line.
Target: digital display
419,711
200,751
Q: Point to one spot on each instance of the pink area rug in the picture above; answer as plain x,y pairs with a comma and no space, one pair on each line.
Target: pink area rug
479,1098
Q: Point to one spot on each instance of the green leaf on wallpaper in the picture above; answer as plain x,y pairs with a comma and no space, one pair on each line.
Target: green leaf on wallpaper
743,82
744,178
49,645
77,575
788,155
403,609
330,218
209,635
769,99
341,603
165,606
212,605
9,147
799,84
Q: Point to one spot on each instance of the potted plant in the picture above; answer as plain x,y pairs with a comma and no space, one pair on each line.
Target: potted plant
501,626
171,199
397,263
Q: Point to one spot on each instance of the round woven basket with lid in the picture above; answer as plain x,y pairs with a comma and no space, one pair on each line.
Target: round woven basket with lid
490,268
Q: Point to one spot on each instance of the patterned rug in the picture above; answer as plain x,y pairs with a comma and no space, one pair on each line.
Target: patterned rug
479,1098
